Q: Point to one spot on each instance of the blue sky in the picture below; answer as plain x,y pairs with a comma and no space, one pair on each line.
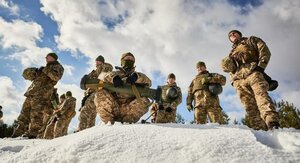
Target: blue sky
166,36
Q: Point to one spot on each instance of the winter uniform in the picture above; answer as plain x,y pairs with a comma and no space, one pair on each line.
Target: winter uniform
88,112
246,63
37,106
166,113
119,106
205,103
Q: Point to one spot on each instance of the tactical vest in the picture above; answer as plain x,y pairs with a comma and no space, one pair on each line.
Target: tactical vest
198,84
244,53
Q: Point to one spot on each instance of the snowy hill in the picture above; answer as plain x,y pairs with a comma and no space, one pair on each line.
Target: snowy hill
158,143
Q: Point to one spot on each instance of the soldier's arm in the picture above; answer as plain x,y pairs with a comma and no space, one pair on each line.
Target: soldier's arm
105,67
217,78
109,77
263,50
143,80
178,100
54,72
190,96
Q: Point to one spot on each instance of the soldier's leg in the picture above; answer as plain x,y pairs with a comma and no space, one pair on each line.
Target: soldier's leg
153,112
200,115
265,104
247,98
49,132
59,128
36,116
161,116
170,117
48,112
66,127
133,111
106,106
214,115
82,119
91,114
23,119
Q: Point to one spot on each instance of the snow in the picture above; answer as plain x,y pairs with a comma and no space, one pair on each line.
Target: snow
158,143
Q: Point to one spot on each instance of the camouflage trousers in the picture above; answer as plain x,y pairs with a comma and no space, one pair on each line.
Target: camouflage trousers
111,110
34,108
87,117
161,116
207,104
253,94
213,114
61,127
23,119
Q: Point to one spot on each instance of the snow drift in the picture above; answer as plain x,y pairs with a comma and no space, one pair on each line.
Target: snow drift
158,143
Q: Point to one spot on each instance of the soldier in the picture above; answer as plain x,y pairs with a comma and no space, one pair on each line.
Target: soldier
1,115
88,112
122,107
49,131
64,115
204,90
246,64
38,97
166,113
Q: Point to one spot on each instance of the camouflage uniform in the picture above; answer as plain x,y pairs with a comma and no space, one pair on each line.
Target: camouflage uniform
161,115
88,112
119,106
65,115
37,104
244,63
205,103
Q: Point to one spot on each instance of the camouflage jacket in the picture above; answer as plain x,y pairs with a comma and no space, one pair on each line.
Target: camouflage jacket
45,80
168,102
103,68
67,108
247,54
142,80
198,85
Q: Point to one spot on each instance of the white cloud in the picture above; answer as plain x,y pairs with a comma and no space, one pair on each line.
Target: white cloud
7,4
10,99
68,69
22,37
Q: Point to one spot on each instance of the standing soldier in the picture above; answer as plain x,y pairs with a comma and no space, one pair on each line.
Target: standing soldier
49,131
246,64
64,115
166,113
123,107
88,112
204,90
38,95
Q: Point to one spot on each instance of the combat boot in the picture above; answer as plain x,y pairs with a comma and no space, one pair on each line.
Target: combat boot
273,125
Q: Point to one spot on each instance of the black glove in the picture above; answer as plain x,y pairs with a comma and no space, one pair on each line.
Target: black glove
169,109
39,70
117,81
132,78
259,69
161,107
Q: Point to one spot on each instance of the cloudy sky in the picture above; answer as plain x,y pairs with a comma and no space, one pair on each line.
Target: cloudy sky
165,36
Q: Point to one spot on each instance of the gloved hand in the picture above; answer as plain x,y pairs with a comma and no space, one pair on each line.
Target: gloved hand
117,81
161,107
169,109
132,78
205,80
259,69
190,107
39,70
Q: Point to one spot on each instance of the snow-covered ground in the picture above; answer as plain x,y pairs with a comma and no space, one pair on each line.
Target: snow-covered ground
158,143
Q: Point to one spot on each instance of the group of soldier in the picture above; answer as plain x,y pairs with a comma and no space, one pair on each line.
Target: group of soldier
44,116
